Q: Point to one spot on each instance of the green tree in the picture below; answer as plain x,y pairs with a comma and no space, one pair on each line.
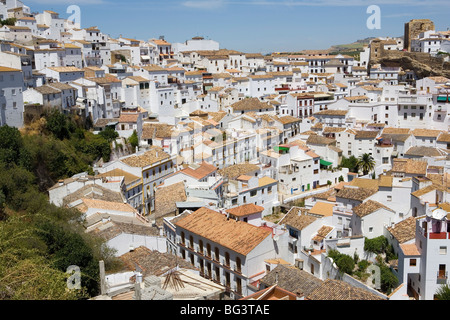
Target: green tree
58,124
366,163
443,292
134,140
351,163
388,280
109,134
344,262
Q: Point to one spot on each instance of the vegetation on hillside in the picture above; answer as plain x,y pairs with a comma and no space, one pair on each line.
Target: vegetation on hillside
39,241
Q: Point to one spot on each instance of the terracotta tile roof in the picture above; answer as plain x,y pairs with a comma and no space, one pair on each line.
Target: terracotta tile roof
369,207
359,194
332,113
426,133
427,189
385,181
234,171
147,158
167,197
105,205
320,140
444,137
365,183
265,181
45,89
129,118
245,210
340,290
289,119
238,236
322,233
323,208
297,221
129,178
404,230
201,172
156,130
410,166
410,249
423,151
368,134
396,130
333,129
292,279
356,98
152,262
250,104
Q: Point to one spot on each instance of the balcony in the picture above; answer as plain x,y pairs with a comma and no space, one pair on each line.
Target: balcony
442,277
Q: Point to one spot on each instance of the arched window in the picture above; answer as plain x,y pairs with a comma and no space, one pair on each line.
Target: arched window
191,242
216,253
227,259
238,264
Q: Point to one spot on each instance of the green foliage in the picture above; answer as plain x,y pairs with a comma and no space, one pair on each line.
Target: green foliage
376,245
388,280
38,241
443,292
109,134
134,140
366,163
363,265
351,163
8,22
344,262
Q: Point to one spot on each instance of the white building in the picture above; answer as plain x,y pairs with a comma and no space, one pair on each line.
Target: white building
227,251
11,97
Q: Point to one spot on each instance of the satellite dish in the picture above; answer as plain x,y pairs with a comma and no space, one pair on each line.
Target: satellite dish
439,214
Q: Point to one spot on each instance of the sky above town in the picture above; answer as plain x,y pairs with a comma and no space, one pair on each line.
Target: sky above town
260,26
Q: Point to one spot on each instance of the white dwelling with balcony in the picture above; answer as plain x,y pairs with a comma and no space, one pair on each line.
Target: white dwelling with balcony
229,252
347,199
153,166
297,168
388,74
202,176
423,265
251,189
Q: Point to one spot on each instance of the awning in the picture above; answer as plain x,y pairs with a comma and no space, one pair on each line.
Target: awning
325,163
145,57
280,149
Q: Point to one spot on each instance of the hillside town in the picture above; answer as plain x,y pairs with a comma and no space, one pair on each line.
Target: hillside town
254,177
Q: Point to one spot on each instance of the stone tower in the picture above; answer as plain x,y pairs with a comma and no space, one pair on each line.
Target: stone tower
413,28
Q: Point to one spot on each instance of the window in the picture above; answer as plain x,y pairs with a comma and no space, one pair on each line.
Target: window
412,262
442,250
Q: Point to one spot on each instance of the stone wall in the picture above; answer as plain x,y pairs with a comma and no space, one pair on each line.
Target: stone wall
421,63
413,28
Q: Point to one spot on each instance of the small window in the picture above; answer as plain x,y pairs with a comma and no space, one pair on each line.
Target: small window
442,250
412,262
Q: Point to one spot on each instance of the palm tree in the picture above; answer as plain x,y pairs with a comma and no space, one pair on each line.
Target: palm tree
366,163
443,293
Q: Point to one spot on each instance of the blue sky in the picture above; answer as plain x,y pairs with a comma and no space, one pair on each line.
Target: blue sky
251,25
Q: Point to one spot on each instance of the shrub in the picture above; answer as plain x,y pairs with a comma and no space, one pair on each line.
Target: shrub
376,245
